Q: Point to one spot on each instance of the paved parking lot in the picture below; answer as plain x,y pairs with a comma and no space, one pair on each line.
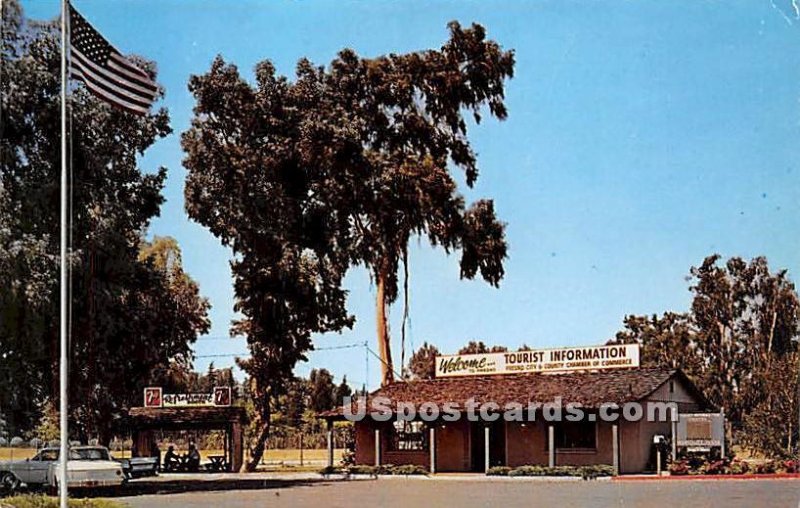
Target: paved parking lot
465,493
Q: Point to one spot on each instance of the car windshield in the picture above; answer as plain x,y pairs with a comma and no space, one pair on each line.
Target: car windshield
91,454
47,455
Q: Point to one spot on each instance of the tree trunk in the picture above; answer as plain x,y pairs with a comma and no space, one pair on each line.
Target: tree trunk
258,449
384,344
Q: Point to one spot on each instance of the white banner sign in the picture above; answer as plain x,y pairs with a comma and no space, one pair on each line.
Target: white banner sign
539,360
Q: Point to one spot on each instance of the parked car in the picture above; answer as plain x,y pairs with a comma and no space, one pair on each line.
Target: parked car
88,467
138,467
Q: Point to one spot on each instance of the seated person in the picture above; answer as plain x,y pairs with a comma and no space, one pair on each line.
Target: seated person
171,459
193,458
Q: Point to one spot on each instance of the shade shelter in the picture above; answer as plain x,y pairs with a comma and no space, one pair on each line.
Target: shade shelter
145,421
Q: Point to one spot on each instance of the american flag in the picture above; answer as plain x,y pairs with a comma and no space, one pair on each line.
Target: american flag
104,71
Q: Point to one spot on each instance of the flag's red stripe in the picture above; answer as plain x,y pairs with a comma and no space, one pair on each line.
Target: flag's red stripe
90,66
107,92
123,66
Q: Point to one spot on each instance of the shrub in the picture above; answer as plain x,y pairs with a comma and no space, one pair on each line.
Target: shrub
3,441
527,471
738,467
498,471
789,466
384,469
329,470
679,468
767,467
585,472
596,471
17,441
408,469
36,443
368,470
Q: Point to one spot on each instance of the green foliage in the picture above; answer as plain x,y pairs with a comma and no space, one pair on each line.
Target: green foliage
422,364
48,428
363,470
770,427
585,472
306,179
477,346
40,501
698,465
499,471
736,345
405,470
385,469
341,391
129,315
321,390
329,470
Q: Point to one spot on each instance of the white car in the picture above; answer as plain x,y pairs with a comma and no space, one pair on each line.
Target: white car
88,466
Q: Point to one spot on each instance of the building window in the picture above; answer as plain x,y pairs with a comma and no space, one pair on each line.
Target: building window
409,436
575,435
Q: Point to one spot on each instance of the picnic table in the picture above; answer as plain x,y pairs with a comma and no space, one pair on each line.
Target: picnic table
217,463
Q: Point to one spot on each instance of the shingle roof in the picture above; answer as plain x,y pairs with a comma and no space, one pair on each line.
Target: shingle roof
182,416
589,389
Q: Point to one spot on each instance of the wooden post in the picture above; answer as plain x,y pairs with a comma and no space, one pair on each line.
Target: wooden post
551,446
237,447
615,447
433,449
486,461
377,447
330,443
301,448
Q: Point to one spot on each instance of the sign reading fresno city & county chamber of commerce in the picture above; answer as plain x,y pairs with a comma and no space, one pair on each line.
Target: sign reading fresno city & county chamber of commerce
539,360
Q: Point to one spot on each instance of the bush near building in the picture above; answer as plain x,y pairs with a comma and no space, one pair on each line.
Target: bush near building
728,466
586,472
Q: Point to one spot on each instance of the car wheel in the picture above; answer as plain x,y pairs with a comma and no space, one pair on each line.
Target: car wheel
9,484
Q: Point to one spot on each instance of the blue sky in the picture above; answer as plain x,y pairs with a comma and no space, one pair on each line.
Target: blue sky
642,137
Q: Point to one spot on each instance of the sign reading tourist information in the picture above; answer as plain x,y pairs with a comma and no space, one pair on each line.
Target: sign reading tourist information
539,360
153,397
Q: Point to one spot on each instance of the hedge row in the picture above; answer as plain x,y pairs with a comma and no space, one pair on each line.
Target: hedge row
726,466
387,469
585,472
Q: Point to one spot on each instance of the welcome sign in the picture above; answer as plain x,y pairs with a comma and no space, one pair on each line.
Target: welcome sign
539,360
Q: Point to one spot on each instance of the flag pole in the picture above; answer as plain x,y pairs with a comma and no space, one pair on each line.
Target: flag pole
63,335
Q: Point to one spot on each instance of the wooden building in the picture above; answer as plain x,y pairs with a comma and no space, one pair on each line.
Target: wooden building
463,445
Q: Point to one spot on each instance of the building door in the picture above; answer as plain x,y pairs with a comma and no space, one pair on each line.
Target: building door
497,445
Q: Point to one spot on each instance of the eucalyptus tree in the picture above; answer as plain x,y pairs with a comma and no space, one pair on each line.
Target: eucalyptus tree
340,167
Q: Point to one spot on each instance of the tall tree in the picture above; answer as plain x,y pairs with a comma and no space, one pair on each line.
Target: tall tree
667,341
745,316
735,343
342,390
305,179
422,364
477,346
321,390
126,319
